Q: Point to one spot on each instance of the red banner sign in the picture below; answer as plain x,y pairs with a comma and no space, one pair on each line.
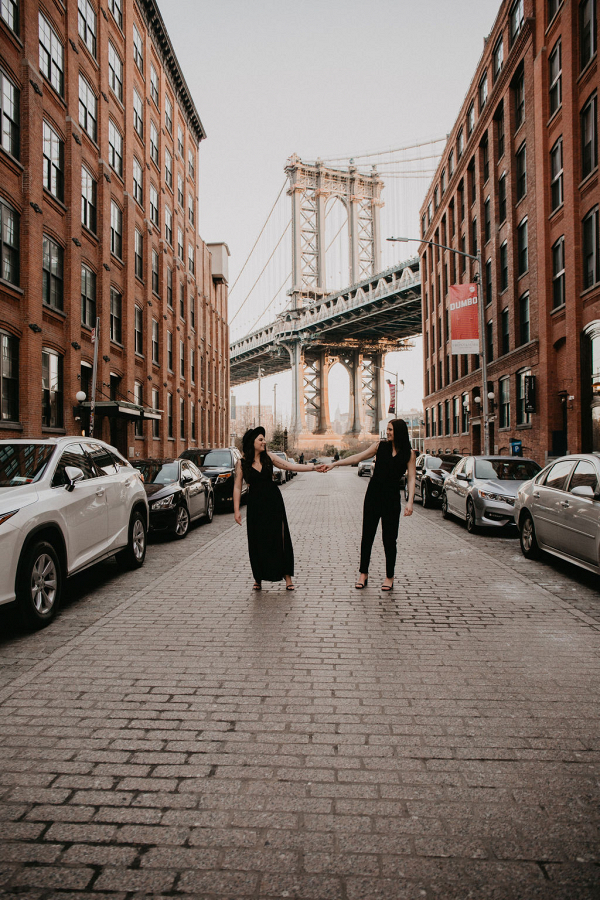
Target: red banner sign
464,318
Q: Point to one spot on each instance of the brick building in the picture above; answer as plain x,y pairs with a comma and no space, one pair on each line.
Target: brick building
98,208
518,180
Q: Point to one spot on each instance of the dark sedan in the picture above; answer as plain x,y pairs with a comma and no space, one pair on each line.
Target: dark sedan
178,493
219,466
431,472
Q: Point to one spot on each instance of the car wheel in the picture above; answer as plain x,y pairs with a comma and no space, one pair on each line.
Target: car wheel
39,588
471,520
210,509
182,521
529,545
134,554
445,510
425,496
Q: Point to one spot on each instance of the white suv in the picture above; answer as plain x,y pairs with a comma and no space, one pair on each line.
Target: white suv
65,504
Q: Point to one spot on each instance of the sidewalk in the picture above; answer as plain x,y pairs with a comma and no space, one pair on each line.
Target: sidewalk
204,740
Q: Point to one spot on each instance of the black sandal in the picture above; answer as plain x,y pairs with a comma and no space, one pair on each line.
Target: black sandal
387,587
257,586
290,587
360,585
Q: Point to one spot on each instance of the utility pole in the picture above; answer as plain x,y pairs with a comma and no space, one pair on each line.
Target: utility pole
259,374
274,407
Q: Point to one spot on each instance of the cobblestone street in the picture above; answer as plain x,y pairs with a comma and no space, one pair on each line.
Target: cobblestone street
175,734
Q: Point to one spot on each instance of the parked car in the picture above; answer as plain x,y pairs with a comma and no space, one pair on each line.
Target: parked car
559,511
219,466
178,494
65,504
431,473
280,476
483,489
366,466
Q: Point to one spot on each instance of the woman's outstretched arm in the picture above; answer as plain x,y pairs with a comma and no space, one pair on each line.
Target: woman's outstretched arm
237,493
411,472
356,458
295,467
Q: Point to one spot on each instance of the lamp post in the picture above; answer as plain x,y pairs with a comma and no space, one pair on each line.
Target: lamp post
398,383
482,346
259,375
274,407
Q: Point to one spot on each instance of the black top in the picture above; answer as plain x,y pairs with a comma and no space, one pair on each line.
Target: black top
388,469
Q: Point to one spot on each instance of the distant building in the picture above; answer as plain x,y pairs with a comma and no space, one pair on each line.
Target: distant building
247,416
518,181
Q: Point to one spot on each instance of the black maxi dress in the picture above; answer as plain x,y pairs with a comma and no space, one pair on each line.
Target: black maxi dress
382,501
269,541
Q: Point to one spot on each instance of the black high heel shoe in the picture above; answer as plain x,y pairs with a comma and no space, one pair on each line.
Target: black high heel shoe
360,585
387,587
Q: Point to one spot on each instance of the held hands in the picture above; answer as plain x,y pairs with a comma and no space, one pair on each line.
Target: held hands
323,468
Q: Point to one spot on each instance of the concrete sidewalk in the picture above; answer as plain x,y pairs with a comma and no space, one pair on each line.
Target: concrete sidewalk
205,740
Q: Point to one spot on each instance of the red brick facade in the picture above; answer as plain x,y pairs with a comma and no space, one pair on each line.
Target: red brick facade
529,168
74,172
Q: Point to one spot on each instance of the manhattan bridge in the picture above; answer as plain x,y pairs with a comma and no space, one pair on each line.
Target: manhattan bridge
314,292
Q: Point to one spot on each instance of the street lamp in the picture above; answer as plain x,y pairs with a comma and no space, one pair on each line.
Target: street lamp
482,347
398,382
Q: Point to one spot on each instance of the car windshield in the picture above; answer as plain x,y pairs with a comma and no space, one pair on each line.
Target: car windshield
156,472
506,469
278,453
23,463
443,464
214,458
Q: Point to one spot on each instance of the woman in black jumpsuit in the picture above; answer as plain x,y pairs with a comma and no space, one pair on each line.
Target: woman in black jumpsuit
393,458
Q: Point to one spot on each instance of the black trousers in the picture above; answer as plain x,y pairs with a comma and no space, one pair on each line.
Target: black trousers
387,509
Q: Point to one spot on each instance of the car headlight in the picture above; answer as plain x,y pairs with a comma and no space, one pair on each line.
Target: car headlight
165,503
498,498
4,517
221,478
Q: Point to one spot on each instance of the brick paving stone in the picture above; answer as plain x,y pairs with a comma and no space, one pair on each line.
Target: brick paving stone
175,732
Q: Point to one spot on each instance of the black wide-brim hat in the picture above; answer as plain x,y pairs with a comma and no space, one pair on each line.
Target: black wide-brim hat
251,435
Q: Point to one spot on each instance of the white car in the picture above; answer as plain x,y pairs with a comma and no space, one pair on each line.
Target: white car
65,504
366,466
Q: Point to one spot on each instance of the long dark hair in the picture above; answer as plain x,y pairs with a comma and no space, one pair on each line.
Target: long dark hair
401,440
248,453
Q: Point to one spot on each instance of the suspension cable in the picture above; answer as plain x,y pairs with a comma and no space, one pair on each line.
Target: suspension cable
259,237
385,152
287,278
239,309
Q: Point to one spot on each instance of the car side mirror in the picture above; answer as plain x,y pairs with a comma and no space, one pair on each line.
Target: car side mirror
187,479
73,474
583,490
462,476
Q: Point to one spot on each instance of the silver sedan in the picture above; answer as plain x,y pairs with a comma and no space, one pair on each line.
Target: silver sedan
559,511
483,489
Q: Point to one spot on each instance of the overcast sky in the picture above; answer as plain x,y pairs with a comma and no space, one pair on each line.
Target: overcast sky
276,77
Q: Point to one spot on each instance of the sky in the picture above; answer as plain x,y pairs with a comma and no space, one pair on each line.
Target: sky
321,79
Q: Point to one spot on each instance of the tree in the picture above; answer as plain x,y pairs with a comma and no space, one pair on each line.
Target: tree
276,442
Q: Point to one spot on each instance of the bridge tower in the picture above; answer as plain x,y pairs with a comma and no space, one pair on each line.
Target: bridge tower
311,186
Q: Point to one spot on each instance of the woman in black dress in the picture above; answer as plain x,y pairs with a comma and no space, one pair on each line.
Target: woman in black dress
393,458
269,541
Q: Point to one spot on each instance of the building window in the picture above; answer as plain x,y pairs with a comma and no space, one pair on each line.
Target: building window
555,77
505,325
138,324
461,201
138,114
168,168
88,200
9,12
500,131
193,420
191,163
553,7
558,273
88,297
180,140
86,23
52,389
523,418
169,351
182,300
191,209
51,60
472,181
503,267
440,419
517,20
180,190
460,144
180,243
155,405
182,418
488,282
139,254
591,250
522,248
154,85
155,281
504,402
447,417
587,31
138,186
169,287
519,95
138,49
443,182
470,119
456,415
502,199
9,243
487,220
483,92
485,158
521,167
88,109
168,114
168,226
498,58
191,263
54,163
474,237
10,114
451,164
170,415
116,9
181,359
115,148
115,72
524,329
153,205
153,143
9,377
52,273
193,366
138,399
556,174
192,312
589,136
465,413
155,341
116,303
489,339
116,230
